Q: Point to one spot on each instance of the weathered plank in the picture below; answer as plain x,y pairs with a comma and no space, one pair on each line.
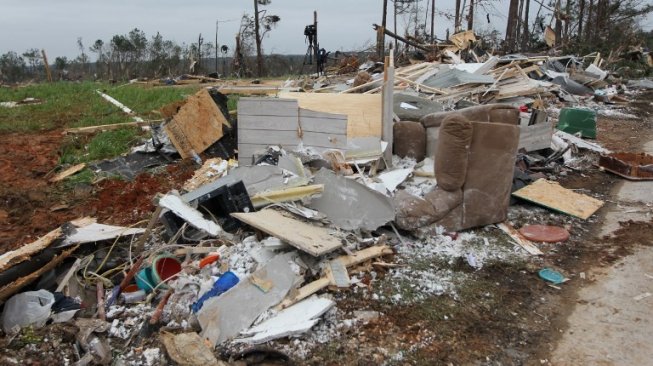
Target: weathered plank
309,238
364,111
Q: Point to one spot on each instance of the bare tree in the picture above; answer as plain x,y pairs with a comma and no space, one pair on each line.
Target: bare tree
267,22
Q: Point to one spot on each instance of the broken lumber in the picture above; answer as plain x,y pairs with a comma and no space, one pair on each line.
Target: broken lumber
12,288
312,239
518,238
113,126
68,172
17,256
387,105
197,125
285,195
321,283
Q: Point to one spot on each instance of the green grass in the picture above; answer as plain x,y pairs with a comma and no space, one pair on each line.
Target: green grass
71,104
102,146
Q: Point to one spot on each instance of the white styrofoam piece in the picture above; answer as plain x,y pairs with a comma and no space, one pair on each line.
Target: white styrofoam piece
296,319
394,178
189,214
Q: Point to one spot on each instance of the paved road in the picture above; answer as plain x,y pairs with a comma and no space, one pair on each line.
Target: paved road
613,321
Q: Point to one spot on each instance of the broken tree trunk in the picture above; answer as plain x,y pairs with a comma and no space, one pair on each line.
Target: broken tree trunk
456,23
525,34
404,40
470,16
511,24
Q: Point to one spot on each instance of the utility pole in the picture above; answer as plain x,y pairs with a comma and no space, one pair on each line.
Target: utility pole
316,49
199,53
432,21
381,50
216,47
394,22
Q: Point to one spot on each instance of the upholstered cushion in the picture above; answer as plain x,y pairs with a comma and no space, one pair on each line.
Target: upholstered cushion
453,148
409,140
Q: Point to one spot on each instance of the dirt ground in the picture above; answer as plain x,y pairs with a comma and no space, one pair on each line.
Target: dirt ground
505,316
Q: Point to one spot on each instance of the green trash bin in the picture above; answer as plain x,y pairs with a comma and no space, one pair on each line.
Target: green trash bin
573,120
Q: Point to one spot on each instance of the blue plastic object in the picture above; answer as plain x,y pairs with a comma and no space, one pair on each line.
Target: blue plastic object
224,283
144,279
552,276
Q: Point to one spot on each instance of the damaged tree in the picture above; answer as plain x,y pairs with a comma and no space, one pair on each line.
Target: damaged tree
267,22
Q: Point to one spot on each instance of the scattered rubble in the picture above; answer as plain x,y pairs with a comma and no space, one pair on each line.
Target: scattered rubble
294,204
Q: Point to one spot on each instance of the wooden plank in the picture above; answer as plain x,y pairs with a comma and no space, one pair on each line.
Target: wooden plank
519,238
15,286
364,111
68,172
308,124
553,196
276,137
197,125
14,257
388,105
114,126
311,239
267,107
347,261
285,195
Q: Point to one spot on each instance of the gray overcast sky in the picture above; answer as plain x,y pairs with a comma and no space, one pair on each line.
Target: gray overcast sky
343,24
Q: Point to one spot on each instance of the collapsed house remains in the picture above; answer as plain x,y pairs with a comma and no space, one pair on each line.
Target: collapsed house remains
300,194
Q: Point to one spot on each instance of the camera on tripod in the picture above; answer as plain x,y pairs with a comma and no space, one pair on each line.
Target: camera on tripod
310,31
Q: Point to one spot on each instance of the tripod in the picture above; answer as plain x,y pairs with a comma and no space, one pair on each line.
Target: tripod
310,31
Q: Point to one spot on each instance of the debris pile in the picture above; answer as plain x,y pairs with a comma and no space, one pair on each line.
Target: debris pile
302,197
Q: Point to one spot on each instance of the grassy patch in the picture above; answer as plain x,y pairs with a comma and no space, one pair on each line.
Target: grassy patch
232,102
71,104
86,176
102,146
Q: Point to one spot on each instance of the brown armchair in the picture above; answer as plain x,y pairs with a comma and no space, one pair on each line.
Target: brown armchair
474,160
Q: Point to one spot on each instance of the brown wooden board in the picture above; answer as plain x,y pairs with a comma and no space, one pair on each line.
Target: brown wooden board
364,111
552,195
312,239
197,125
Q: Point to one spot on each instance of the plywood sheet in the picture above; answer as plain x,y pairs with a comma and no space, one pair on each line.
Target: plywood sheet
364,111
312,239
552,195
197,125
